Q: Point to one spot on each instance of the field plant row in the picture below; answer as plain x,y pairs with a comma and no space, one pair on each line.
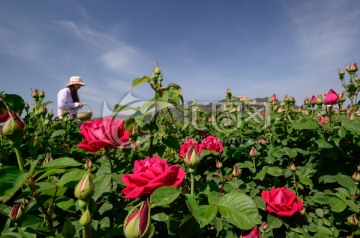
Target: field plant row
281,170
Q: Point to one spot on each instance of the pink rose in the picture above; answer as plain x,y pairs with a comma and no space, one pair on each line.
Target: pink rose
150,174
282,201
331,97
322,120
212,143
186,146
313,100
105,132
254,233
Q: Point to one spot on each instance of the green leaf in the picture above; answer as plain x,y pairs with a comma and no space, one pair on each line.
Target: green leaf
138,81
62,163
102,185
14,101
239,209
66,204
11,179
275,171
213,197
71,178
57,133
305,123
323,144
205,213
352,125
273,222
164,195
191,202
336,203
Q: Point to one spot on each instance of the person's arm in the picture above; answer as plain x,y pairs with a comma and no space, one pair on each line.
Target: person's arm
65,101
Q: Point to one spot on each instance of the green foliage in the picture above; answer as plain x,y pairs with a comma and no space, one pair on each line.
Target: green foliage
319,162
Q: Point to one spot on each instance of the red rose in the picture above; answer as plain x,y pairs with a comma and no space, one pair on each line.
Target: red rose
186,146
105,132
282,201
212,143
150,174
313,100
331,97
254,233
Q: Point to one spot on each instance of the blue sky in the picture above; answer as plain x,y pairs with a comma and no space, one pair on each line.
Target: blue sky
255,48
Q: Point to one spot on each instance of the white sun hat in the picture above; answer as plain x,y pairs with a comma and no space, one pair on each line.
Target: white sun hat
75,80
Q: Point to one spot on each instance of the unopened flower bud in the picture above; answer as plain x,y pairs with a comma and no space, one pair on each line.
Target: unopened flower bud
42,94
264,225
35,95
356,177
85,188
14,129
319,100
356,79
292,167
253,152
88,165
218,164
192,159
342,97
85,218
26,106
341,74
303,211
157,70
16,211
236,171
138,222
4,116
48,158
353,220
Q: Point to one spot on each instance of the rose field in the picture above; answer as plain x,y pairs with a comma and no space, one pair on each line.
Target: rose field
280,168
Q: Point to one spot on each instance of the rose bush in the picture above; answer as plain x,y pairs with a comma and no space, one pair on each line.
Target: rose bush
274,160
150,174
104,132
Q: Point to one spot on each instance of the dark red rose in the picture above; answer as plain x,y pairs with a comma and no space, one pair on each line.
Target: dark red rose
150,174
282,201
211,143
254,233
105,132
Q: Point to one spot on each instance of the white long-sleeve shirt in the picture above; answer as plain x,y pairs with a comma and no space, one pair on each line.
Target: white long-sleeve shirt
65,102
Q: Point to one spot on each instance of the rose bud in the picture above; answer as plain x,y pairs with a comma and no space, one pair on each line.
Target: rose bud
313,100
236,171
4,116
342,97
331,97
341,74
292,167
16,211
14,129
356,177
138,223
85,188
88,165
26,106
48,158
319,100
157,71
218,164
192,158
273,99
85,218
353,220
356,79
42,94
264,225
253,152
35,95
